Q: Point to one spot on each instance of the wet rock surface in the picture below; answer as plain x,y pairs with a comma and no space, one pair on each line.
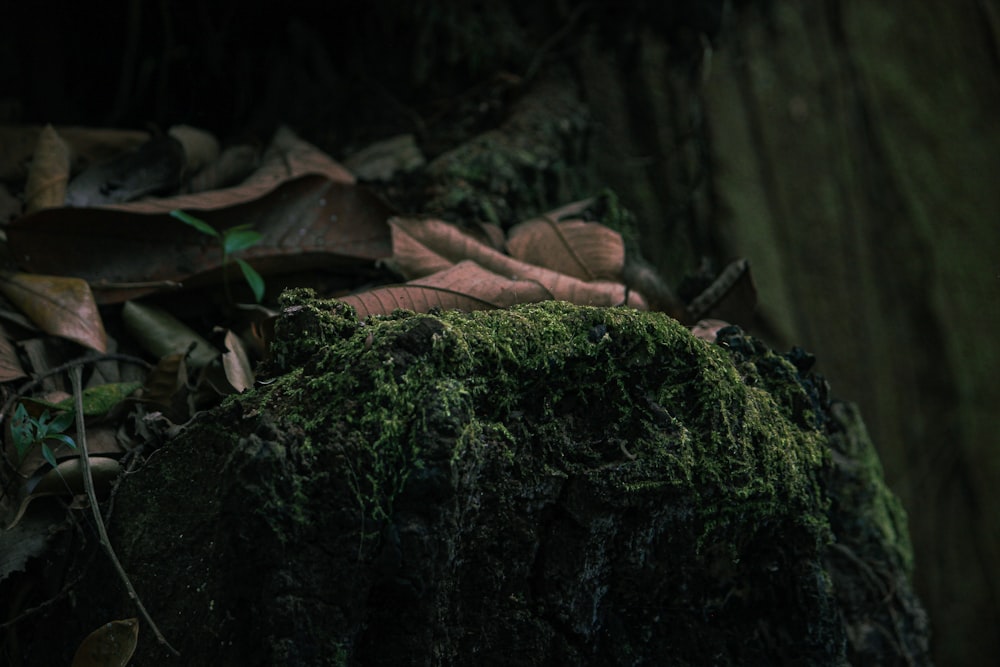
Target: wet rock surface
544,485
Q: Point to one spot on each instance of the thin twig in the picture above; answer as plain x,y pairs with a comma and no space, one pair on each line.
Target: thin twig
80,361
76,376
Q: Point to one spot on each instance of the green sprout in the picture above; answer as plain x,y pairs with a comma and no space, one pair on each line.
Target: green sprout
233,240
26,432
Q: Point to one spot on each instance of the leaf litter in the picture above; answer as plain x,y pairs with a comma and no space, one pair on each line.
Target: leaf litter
153,267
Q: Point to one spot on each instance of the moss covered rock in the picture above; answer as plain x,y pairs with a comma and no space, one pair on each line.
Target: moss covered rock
543,485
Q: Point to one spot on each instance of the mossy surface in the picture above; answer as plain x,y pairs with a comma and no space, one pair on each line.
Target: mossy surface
639,391
549,484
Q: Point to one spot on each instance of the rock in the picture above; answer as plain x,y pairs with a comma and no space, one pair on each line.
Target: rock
543,485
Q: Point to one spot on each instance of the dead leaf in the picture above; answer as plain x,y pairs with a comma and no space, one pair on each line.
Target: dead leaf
166,388
60,306
237,366
384,159
708,329
465,286
421,247
49,172
200,147
304,205
287,158
234,165
66,479
585,250
10,363
154,167
161,334
111,645
87,146
30,537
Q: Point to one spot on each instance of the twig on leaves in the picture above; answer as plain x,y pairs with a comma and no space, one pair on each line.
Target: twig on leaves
88,483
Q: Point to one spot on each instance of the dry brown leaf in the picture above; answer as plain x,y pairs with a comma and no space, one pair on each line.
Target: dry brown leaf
161,334
287,158
66,479
465,286
111,645
301,202
49,172
232,167
200,147
384,159
166,379
235,363
10,363
708,329
419,245
88,145
584,250
59,306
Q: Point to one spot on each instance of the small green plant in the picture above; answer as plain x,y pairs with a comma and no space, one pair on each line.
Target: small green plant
233,240
27,432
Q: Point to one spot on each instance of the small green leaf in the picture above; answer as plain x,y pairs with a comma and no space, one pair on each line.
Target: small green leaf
239,238
60,422
200,225
100,400
254,279
48,455
65,439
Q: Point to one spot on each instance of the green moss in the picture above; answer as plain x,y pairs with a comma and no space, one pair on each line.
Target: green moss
571,384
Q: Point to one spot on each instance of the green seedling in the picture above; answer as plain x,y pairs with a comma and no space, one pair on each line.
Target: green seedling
27,432
233,240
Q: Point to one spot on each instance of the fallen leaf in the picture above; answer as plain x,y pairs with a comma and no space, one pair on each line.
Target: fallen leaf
10,363
237,366
421,247
49,172
234,165
156,166
708,329
585,250
60,306
111,645
200,147
465,286
87,145
166,388
66,479
161,334
384,159
305,206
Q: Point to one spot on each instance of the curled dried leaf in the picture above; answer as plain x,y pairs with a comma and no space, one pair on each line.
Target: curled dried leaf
421,244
